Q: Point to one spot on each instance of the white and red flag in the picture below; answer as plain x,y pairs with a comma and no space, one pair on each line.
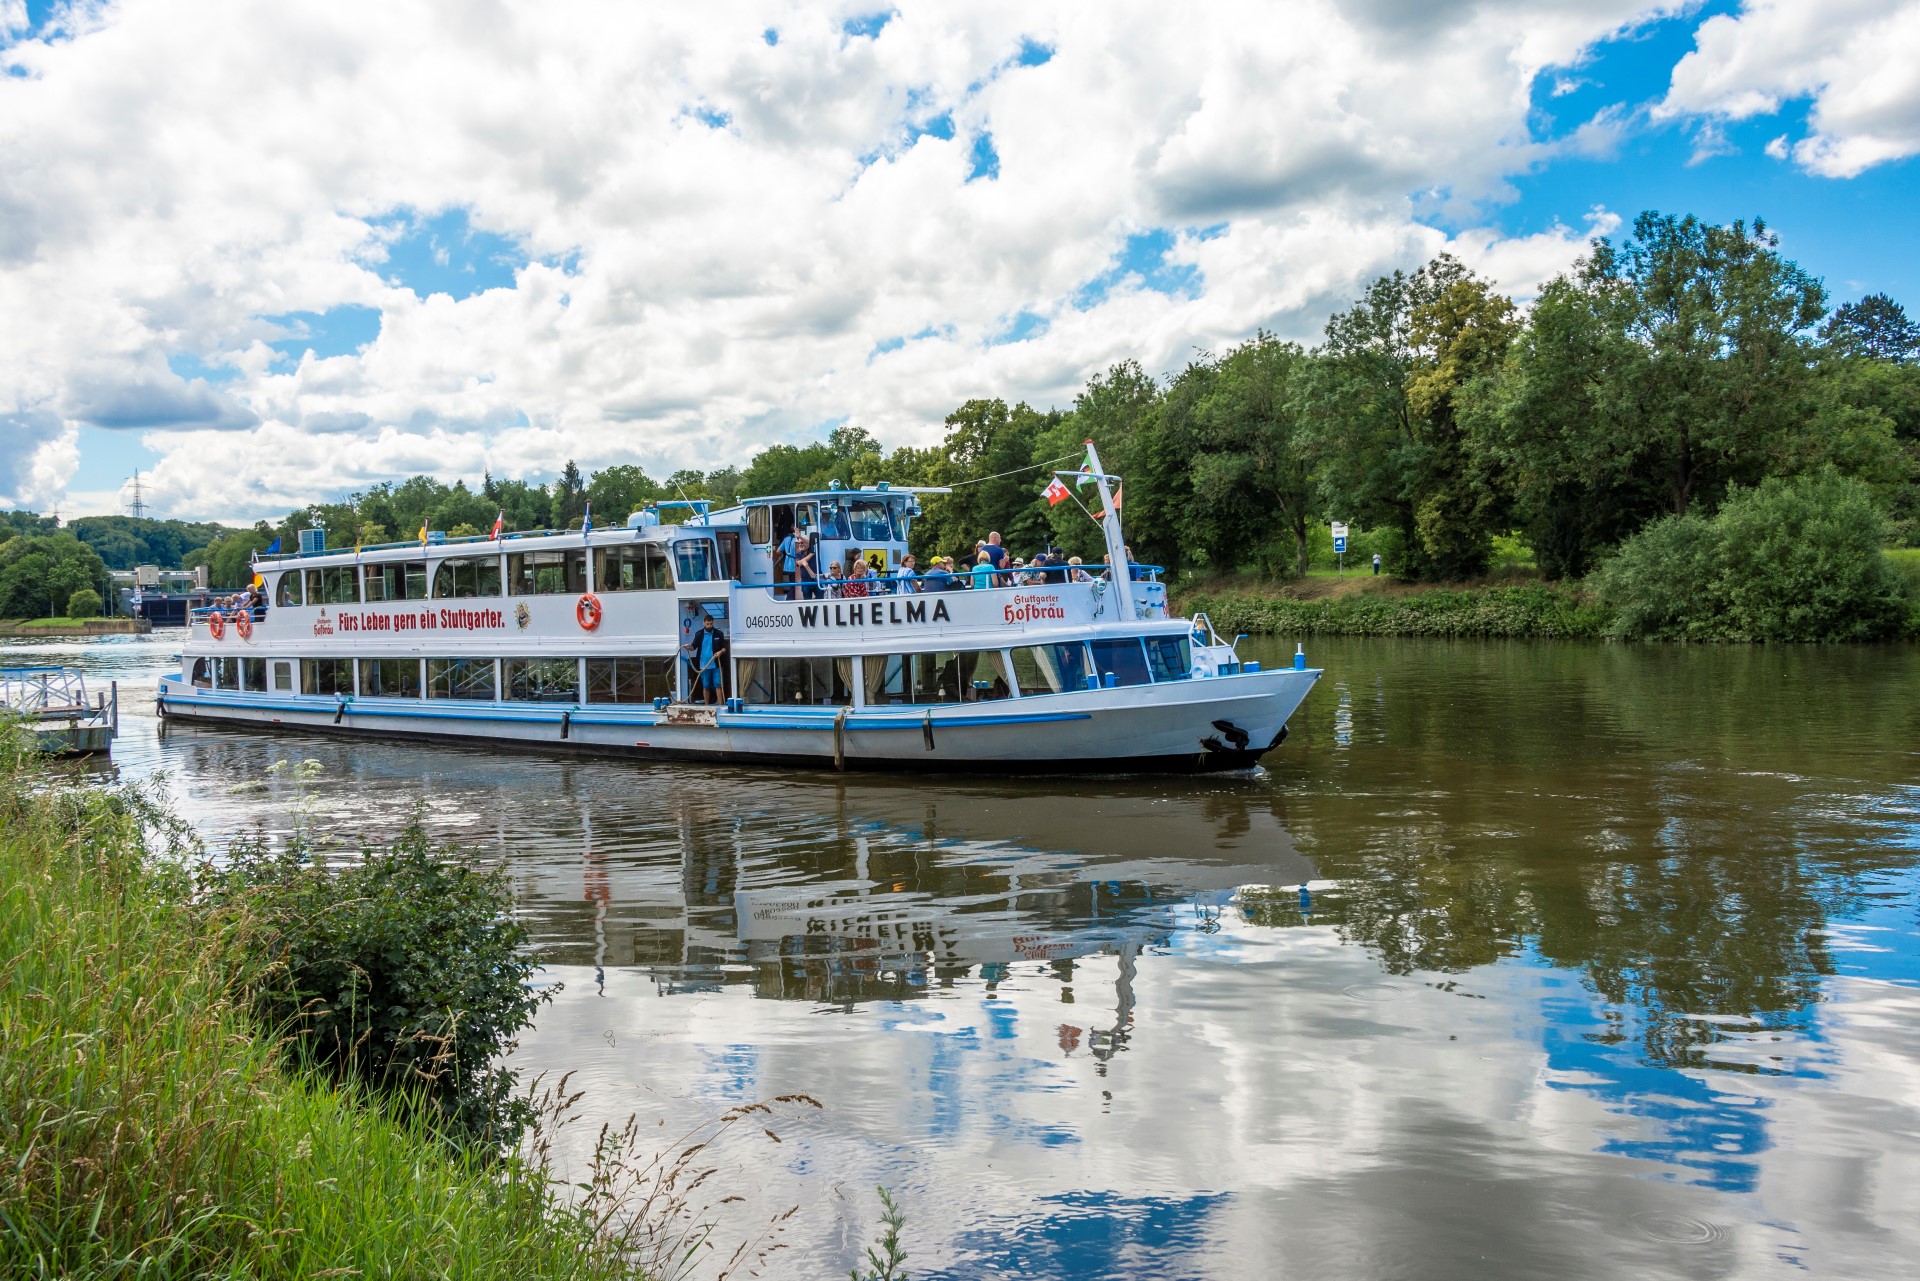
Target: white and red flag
1054,492
498,521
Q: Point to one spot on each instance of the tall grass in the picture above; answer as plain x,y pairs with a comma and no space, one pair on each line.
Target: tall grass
146,1126
1534,610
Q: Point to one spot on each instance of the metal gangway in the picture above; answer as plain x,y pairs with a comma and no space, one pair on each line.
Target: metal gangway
58,711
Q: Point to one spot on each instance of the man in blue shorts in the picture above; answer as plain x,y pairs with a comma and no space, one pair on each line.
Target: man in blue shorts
707,655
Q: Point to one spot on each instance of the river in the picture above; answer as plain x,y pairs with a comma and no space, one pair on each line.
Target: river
1517,960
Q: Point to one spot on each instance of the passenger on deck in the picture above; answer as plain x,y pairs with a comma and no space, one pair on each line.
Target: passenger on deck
997,555
806,571
834,581
1075,574
706,655
786,563
937,578
909,577
859,576
983,575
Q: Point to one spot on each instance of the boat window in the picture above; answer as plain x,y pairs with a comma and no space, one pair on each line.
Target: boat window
283,676
871,521
226,673
629,680
468,678
809,682
337,586
946,676
326,675
694,561
253,674
759,526
833,521
1050,669
397,580
202,673
637,567
465,577
556,573
542,680
1126,659
390,677
1169,658
287,592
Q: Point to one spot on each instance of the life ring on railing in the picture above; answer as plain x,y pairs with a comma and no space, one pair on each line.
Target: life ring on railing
587,611
243,623
216,625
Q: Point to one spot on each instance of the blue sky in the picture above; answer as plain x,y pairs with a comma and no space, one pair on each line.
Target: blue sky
672,238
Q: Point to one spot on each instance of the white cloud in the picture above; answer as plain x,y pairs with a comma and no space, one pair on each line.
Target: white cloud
1858,61
177,173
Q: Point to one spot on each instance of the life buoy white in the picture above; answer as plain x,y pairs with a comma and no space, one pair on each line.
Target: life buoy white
216,625
243,623
587,611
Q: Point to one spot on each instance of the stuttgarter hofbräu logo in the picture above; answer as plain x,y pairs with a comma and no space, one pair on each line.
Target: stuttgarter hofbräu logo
522,615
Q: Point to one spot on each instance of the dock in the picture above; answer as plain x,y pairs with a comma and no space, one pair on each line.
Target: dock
55,705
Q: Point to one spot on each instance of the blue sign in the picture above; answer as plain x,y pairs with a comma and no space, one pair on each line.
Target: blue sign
1340,547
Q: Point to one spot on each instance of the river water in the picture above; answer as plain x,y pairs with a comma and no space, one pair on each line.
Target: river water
1517,960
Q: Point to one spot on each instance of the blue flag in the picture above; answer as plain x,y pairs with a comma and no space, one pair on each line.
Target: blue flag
272,547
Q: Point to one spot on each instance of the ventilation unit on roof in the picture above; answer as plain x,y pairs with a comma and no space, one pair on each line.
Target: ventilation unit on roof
312,540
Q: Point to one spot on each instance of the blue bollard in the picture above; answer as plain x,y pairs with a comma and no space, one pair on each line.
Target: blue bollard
1110,679
1299,659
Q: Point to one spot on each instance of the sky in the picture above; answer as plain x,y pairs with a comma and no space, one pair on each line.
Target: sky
271,254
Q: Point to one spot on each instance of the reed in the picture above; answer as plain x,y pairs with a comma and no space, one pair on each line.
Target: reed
148,1128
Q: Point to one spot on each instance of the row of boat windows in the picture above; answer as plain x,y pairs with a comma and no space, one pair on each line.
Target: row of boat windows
943,676
628,568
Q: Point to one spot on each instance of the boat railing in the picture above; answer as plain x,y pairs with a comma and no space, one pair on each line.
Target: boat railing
957,580
204,612
435,538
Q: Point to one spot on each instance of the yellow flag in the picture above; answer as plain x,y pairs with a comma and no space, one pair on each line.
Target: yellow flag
423,531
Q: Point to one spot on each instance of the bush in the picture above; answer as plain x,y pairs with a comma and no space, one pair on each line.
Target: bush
1789,560
84,603
404,972
1534,611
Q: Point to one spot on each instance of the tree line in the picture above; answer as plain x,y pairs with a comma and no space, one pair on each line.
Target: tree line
1659,376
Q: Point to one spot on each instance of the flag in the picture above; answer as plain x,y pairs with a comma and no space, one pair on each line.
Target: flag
423,531
1086,476
273,547
586,521
1117,491
1054,492
498,521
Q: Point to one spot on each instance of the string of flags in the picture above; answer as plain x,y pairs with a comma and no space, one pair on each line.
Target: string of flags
1057,492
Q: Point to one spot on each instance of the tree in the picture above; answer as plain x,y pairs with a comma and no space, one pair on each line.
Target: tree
620,491
568,502
1254,481
40,573
84,603
1386,401
1876,327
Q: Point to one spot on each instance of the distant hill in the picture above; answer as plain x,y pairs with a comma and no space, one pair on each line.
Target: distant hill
122,541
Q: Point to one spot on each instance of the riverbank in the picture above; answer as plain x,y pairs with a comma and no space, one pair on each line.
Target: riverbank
146,1122
74,627
1384,607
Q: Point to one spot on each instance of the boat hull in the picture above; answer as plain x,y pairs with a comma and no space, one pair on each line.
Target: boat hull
1201,725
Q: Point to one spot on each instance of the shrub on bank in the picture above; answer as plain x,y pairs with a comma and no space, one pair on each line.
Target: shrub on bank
84,603
1789,560
1533,610
403,970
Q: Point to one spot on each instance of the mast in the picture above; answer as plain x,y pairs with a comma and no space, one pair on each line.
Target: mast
1116,543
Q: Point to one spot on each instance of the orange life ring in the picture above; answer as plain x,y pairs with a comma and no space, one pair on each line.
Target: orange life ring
587,611
243,623
216,625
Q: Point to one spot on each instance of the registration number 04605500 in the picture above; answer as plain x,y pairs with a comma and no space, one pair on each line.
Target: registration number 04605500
768,620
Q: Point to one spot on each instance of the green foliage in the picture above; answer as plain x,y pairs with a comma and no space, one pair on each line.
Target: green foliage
148,1128
1533,611
885,1256
123,542
1789,560
403,971
39,573
84,603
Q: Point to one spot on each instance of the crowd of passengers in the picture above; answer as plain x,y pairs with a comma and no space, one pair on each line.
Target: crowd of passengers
797,571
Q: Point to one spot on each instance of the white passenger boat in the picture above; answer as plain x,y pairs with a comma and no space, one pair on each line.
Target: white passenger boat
578,640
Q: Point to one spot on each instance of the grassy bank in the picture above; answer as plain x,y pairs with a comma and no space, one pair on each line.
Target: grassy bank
72,626
146,1124
1377,607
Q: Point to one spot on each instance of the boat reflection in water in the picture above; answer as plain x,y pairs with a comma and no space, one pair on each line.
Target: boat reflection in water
880,891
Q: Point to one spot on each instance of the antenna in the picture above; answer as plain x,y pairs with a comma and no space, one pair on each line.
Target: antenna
137,505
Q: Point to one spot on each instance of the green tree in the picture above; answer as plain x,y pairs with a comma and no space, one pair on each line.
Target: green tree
84,603
1255,489
1876,326
40,573
568,502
